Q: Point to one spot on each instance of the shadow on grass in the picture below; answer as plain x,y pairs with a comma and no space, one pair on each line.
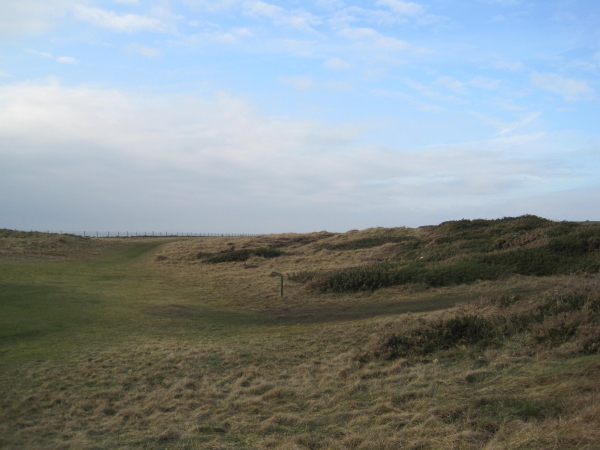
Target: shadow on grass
285,315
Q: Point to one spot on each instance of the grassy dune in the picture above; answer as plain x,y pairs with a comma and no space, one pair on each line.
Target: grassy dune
156,343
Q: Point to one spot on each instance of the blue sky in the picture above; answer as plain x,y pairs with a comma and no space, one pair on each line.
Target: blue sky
258,117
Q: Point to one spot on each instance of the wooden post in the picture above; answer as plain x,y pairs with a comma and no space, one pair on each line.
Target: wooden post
281,287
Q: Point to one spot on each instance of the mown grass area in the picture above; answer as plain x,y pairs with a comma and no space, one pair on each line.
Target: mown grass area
116,344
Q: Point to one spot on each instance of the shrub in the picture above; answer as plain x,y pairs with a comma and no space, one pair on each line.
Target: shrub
303,276
241,255
376,276
443,335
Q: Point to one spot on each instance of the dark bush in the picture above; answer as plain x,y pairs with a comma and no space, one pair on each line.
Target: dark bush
243,255
377,276
267,252
302,276
462,330
563,229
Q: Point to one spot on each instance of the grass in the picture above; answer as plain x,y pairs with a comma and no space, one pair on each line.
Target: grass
119,344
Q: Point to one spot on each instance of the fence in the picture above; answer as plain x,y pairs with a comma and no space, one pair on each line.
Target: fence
130,234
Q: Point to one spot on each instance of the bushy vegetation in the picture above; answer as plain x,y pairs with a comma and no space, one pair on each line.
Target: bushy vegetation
438,336
232,255
302,276
370,242
556,249
567,315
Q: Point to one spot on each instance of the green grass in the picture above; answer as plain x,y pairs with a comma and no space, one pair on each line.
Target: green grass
47,307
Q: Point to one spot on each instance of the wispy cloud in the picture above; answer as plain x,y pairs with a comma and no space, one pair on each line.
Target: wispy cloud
373,38
570,89
513,66
298,82
60,59
429,92
142,50
398,6
298,19
451,83
66,60
122,23
507,127
336,63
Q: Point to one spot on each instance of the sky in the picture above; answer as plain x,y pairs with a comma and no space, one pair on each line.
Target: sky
249,116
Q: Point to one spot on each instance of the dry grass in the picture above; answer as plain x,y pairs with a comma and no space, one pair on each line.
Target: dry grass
300,388
310,374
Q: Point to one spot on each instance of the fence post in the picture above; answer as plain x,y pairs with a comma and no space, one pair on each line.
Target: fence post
281,287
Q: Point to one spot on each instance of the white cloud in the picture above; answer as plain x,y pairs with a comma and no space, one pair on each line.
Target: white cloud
212,5
31,17
485,83
4,74
508,104
397,12
336,63
142,50
95,144
42,54
123,23
374,38
66,60
243,32
401,7
431,108
513,66
504,127
571,89
359,33
451,83
429,92
520,139
392,94
298,82
329,4
60,59
298,19
503,2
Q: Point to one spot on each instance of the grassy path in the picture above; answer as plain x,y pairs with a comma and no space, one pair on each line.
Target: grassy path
49,307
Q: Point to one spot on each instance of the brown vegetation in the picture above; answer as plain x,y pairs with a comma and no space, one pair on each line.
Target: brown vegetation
510,363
